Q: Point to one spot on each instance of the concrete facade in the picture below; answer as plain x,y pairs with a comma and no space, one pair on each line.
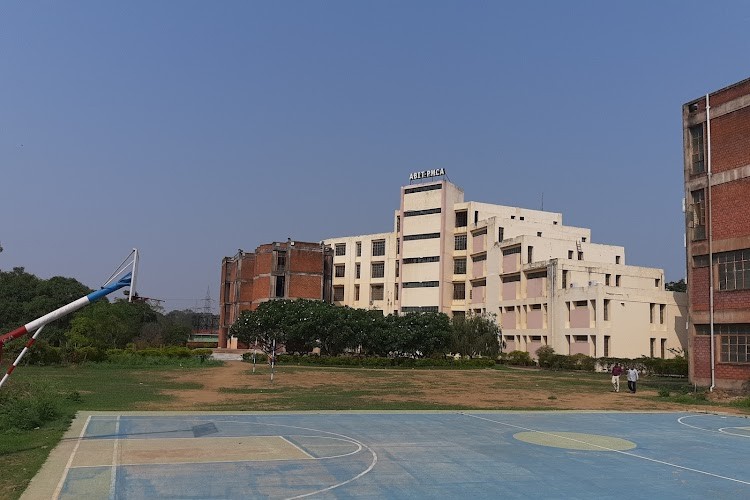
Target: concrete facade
716,131
547,283
286,270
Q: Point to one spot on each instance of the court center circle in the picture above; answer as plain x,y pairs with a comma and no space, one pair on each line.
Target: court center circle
575,441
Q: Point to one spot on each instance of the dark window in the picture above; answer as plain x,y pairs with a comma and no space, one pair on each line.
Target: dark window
734,270
280,261
421,260
459,266
395,290
421,284
476,216
697,149
700,261
280,282
459,291
398,268
606,310
339,270
420,189
461,219
735,348
378,270
460,242
530,254
698,215
357,270
398,223
356,292
417,309
425,236
378,248
359,248
500,234
340,248
338,293
376,292
428,211
511,251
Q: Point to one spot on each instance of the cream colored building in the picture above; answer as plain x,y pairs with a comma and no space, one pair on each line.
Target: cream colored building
547,283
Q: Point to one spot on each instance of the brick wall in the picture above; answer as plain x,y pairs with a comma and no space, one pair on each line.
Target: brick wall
306,260
305,286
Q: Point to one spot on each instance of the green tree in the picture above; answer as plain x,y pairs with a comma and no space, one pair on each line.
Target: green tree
676,286
475,335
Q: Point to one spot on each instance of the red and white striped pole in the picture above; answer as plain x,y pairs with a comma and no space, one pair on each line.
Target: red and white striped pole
24,351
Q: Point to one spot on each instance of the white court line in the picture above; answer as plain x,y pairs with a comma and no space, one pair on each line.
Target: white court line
613,450
720,430
56,495
115,449
734,433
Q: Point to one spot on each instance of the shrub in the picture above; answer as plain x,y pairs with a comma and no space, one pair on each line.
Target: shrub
517,358
663,392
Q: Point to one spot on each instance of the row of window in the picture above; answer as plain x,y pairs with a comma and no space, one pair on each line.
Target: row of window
735,341
378,248
733,268
377,270
376,293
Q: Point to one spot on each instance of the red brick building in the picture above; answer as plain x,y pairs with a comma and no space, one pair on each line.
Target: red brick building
716,130
288,270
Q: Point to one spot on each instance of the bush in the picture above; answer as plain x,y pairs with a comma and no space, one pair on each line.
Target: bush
664,392
22,408
517,358
381,362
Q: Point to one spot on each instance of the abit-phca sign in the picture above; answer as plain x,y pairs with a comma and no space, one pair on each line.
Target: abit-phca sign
426,173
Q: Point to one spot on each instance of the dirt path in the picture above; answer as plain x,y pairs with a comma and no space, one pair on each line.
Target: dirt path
485,389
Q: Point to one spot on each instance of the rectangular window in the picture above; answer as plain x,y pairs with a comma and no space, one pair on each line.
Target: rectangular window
378,248
280,261
697,149
606,310
617,259
663,348
459,291
418,309
376,292
460,242
651,344
461,219
607,279
530,254
428,211
651,313
617,279
420,189
657,282
425,236
734,269
606,346
359,248
357,270
395,289
398,246
570,254
339,270
580,255
378,270
398,268
511,251
459,266
356,292
698,215
421,260
280,285
338,293
500,234
421,284
340,248
398,223
662,310
700,261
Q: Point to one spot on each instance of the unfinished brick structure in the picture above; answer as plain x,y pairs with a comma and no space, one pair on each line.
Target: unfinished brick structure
288,270
716,131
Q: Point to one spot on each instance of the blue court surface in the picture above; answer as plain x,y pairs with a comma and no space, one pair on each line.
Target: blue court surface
487,454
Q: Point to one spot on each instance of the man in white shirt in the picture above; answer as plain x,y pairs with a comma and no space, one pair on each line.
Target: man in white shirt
632,378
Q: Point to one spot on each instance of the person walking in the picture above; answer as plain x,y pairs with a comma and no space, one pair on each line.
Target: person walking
632,379
616,372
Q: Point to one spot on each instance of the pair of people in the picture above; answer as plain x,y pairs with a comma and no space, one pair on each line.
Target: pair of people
632,378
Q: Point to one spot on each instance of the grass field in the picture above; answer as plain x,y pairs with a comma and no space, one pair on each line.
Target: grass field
56,393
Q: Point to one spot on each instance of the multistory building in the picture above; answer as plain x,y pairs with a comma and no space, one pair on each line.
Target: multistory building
279,270
547,283
716,131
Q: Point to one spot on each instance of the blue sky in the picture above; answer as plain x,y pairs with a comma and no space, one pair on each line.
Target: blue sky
192,129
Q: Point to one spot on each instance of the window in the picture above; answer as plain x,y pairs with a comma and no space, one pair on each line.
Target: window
359,248
565,279
460,242
662,310
700,261
421,284
338,293
398,223
657,282
378,270
570,254
606,346
511,251
421,260
376,292
459,291
417,309
425,236
476,216
651,313
395,288
697,163
339,270
617,259
607,279
280,285
356,292
357,270
420,189
398,268
459,266
500,233
479,258
698,213
398,246
340,248
580,255
606,310
378,248
530,254
583,239
280,261
617,279
663,348
429,211
734,270
539,234
652,343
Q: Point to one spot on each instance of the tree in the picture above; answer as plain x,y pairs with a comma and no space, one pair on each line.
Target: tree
476,335
676,286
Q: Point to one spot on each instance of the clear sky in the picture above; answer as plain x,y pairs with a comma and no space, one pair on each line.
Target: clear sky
192,129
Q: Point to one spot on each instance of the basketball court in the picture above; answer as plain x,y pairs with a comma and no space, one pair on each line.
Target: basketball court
448,454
